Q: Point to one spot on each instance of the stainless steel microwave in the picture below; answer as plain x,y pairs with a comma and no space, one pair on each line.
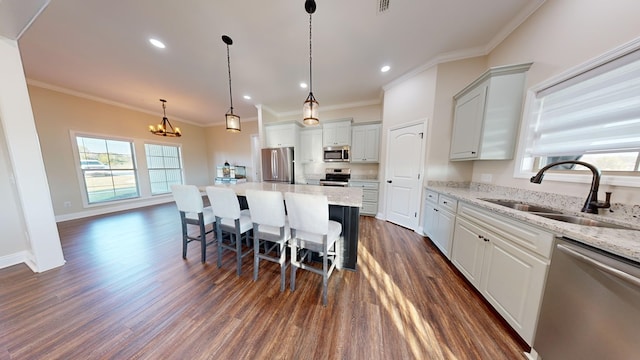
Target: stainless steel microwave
336,154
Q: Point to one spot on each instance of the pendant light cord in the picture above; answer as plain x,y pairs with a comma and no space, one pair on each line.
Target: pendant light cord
310,59
229,67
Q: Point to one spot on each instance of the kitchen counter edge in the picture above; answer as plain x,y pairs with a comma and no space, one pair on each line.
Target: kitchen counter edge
624,243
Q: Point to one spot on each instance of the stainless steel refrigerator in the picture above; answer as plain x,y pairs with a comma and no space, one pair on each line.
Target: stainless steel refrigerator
277,165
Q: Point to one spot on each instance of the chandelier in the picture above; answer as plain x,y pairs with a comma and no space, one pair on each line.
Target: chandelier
165,128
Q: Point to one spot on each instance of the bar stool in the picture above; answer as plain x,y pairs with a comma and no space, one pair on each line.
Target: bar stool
270,230
233,223
192,212
312,231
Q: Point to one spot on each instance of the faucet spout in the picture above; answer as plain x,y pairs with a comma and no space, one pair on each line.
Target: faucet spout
591,205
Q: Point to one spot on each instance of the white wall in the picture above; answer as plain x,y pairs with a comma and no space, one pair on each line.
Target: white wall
39,234
560,35
452,77
406,102
12,227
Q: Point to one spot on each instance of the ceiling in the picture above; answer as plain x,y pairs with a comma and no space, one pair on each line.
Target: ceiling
100,49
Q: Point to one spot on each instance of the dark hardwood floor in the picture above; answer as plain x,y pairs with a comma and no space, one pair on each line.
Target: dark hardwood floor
126,293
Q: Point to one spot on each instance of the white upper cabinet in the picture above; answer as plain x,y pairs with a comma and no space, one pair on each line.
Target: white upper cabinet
311,145
281,135
487,114
337,133
365,143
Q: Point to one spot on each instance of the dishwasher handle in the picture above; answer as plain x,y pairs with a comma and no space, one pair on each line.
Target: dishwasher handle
600,266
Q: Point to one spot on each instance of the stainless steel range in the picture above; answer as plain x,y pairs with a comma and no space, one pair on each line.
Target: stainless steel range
336,177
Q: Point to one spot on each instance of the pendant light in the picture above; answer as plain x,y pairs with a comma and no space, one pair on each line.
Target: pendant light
310,108
232,120
165,128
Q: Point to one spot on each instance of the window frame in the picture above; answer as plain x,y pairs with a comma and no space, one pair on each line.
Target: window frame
148,167
524,164
80,173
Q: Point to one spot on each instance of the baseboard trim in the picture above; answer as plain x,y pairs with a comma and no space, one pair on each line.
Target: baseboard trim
14,259
115,208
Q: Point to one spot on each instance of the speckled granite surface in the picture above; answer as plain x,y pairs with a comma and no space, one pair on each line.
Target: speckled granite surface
343,196
625,243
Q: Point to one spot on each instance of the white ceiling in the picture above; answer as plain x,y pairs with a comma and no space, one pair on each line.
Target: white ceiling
101,49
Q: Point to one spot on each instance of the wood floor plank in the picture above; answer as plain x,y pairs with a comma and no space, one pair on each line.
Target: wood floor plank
126,293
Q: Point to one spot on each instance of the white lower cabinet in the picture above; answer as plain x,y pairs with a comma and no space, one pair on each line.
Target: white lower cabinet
506,260
439,219
369,196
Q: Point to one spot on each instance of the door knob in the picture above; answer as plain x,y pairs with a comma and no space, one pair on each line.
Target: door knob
389,181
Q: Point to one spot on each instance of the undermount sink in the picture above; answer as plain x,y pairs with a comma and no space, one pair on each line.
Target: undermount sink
554,214
519,205
573,219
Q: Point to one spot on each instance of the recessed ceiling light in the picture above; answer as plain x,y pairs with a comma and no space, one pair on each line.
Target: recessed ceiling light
303,85
247,97
157,43
385,68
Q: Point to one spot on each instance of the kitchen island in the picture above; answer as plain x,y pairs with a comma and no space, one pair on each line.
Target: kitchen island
344,207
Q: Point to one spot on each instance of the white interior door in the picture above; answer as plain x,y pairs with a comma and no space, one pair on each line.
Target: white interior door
405,148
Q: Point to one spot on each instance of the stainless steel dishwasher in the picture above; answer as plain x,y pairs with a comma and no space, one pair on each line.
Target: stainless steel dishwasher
591,306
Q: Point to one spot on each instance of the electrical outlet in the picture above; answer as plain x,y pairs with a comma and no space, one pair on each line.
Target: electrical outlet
67,204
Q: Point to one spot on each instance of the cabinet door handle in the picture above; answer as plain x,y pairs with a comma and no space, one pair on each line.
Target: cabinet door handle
444,202
480,237
473,153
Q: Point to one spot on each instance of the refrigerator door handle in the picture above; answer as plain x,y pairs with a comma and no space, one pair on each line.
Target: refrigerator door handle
274,164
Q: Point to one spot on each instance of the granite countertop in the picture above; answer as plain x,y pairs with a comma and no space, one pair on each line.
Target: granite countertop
625,243
342,196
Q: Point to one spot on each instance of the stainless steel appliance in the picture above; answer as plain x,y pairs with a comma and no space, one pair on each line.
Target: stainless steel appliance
591,306
336,177
336,153
277,165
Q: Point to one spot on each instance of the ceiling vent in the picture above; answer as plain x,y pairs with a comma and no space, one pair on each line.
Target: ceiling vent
383,6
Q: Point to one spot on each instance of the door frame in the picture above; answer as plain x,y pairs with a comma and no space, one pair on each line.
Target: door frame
425,126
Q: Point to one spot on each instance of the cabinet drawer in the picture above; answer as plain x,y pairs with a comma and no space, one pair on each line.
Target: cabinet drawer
447,203
370,195
520,233
369,208
364,185
431,196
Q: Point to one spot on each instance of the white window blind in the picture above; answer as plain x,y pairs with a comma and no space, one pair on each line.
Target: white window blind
595,111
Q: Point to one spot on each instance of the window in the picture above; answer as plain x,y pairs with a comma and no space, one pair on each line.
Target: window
165,167
591,115
108,169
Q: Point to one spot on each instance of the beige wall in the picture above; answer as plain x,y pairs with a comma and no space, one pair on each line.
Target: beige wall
232,147
57,115
563,34
452,77
359,114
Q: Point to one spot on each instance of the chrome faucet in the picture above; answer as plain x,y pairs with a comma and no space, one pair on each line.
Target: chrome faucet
592,204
